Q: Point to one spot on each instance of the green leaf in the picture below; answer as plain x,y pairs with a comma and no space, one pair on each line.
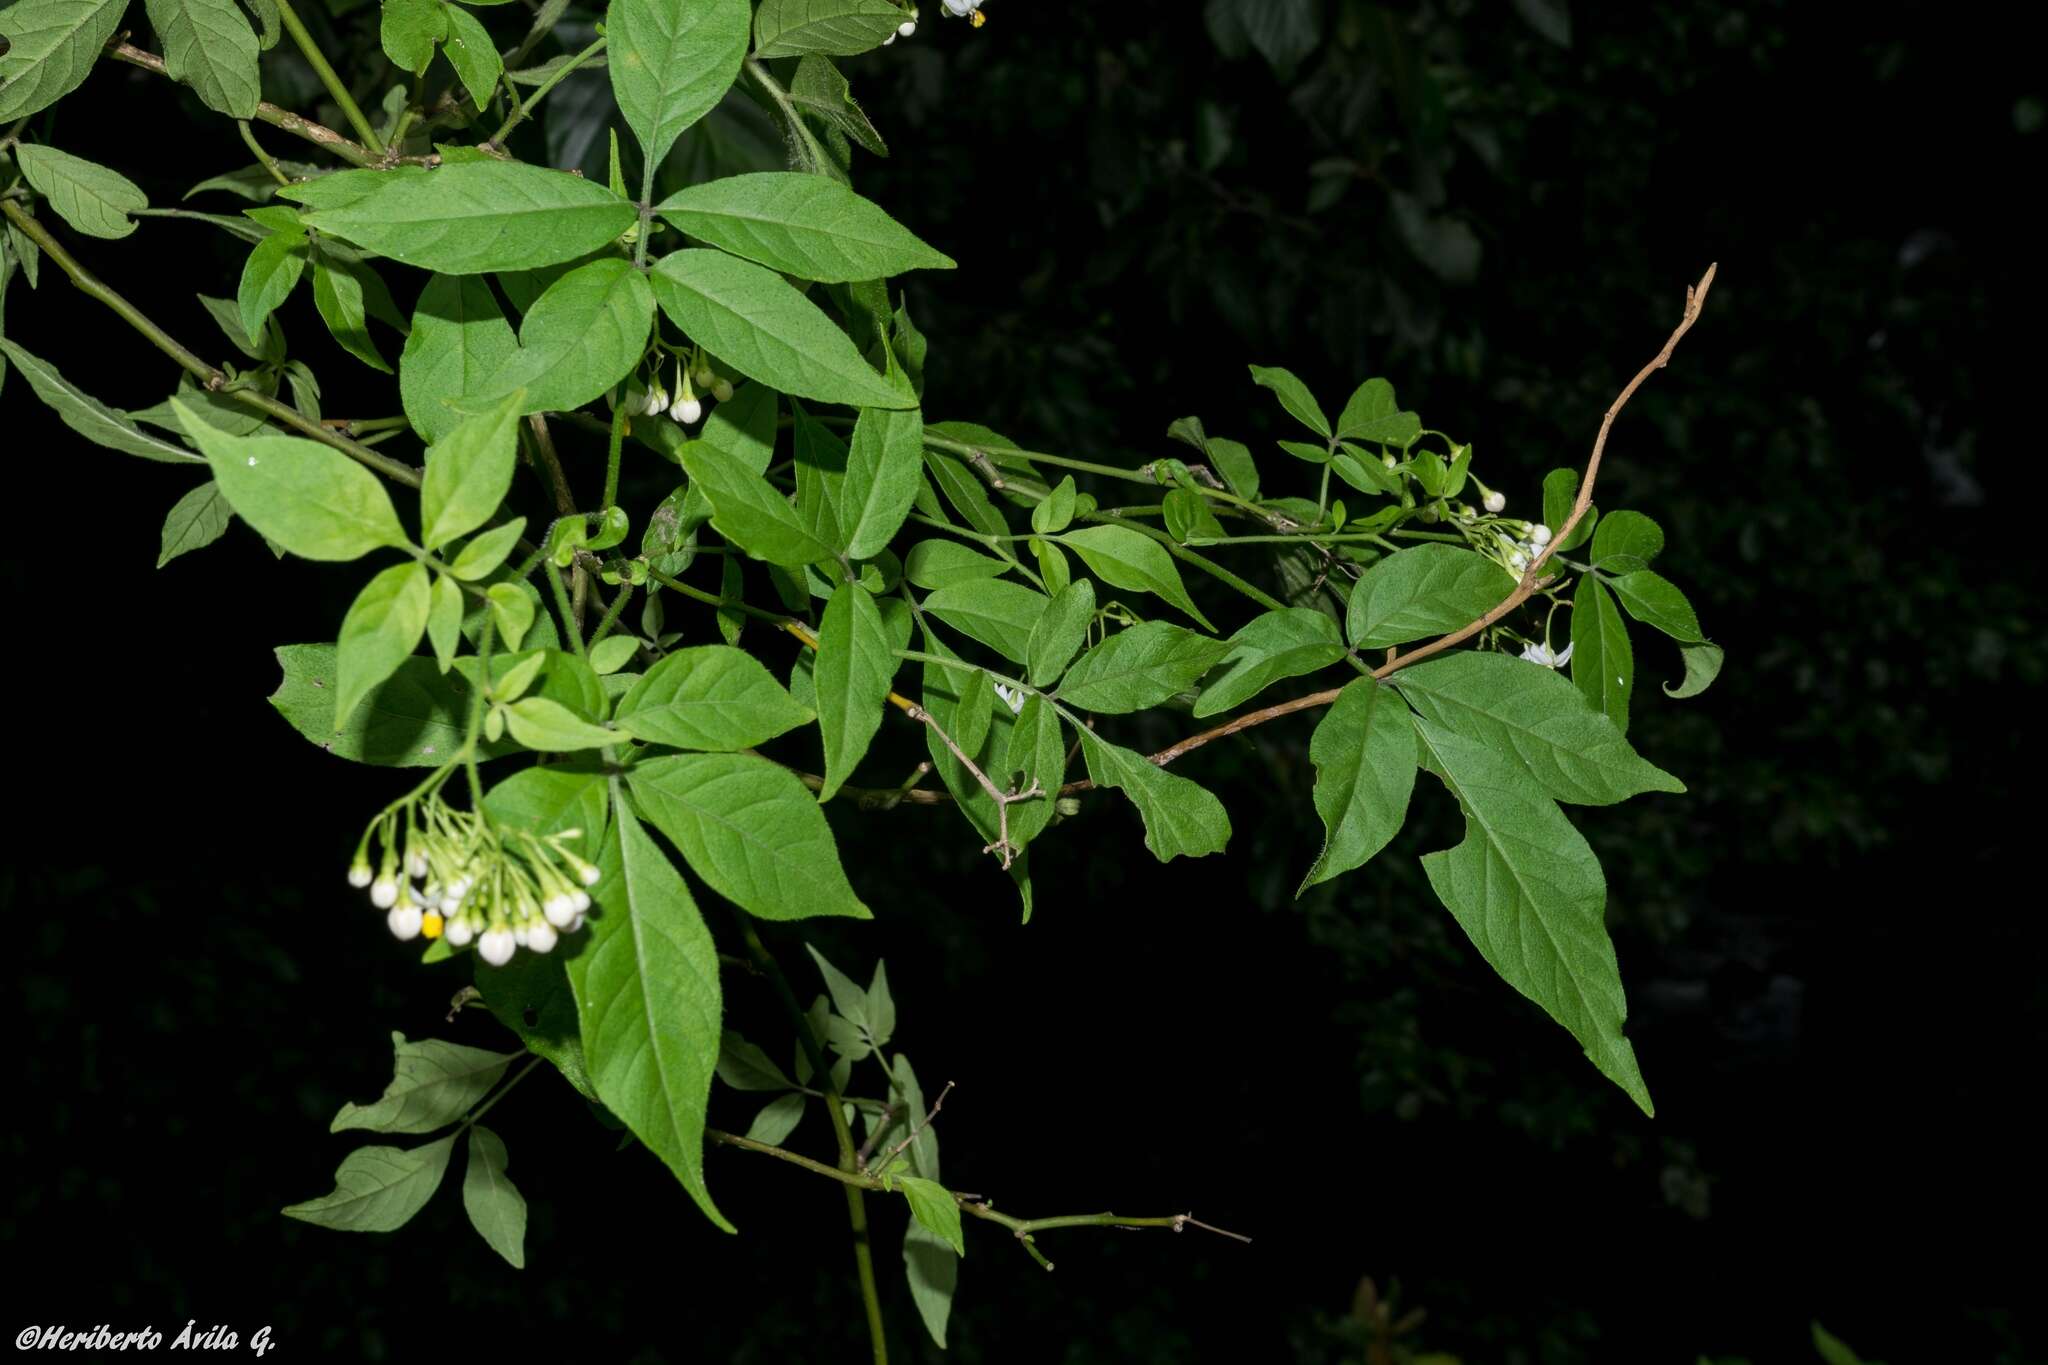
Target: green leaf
757,322
210,46
1139,668
92,198
995,611
964,490
1656,601
265,343
1126,559
1629,537
743,1066
496,1208
1560,491
1514,707
1528,891
943,563
580,337
1061,630
196,520
1364,753
820,473
711,697
1280,644
834,28
470,217
856,666
1180,817
433,1084
379,1189
671,63
381,630
1421,591
459,339
88,416
408,30
339,293
474,56
819,90
483,554
468,473
549,727
513,610
416,719
1702,666
748,510
883,470
51,46
1037,752
647,989
1188,516
1603,664
309,498
777,1120
847,996
809,226
444,622
612,653
530,995
935,1209
1294,396
1833,1350
268,277
749,829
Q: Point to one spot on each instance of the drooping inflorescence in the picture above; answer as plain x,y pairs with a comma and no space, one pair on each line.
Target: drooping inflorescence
440,872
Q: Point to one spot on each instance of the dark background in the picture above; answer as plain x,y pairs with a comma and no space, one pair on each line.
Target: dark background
1832,959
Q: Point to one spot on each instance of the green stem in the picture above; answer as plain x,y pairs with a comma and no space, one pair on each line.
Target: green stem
611,613
325,71
476,1114
524,108
318,134
263,157
849,1164
474,728
799,131
712,599
611,459
567,611
209,377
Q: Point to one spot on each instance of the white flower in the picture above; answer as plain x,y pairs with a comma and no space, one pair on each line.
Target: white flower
960,9
541,937
1540,654
405,922
657,400
1496,501
416,864
906,28
359,875
459,932
1012,698
496,945
560,910
384,892
1539,535
686,410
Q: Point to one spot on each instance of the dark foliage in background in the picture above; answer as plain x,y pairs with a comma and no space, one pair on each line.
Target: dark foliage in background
1832,958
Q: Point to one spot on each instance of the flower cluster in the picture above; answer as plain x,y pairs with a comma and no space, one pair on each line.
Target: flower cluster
502,889
684,405
955,9
1517,555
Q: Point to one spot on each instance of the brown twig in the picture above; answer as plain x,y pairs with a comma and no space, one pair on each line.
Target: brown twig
897,1150
352,152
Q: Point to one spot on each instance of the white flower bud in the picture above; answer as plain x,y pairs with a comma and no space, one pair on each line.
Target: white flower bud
577,924
519,935
405,922
721,389
1389,461
888,40
582,898
1518,559
1539,535
458,932
587,874
560,910
906,28
687,411
657,400
541,937
960,9
1495,501
415,864
359,875
496,945
384,893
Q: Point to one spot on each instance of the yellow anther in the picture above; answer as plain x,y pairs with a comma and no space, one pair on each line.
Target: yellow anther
430,926
977,18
